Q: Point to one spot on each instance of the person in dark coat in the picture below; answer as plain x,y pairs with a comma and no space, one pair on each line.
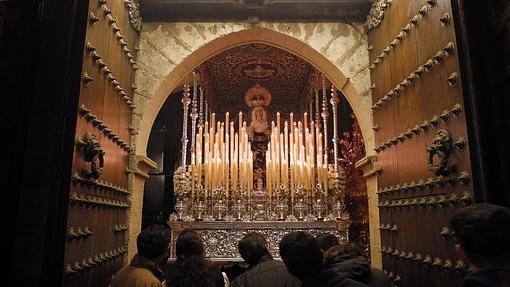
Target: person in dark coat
347,258
327,240
144,270
191,269
263,270
482,232
303,256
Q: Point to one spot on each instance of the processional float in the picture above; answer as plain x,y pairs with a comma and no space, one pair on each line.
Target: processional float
298,187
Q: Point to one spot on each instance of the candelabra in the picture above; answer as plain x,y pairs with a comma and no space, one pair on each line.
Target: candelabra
325,115
200,202
194,111
338,211
220,203
215,205
185,104
334,103
317,111
218,184
240,203
282,202
319,204
301,203
201,111
182,190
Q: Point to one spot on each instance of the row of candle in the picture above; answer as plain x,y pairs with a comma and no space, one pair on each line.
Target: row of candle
222,157
296,156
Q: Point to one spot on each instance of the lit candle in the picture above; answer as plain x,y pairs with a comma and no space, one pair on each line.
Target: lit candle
211,138
213,121
236,158
240,120
278,120
250,169
305,120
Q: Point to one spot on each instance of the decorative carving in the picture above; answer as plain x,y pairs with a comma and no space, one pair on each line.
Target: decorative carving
221,238
257,96
120,228
413,23
442,147
444,117
134,14
92,152
93,18
87,263
98,124
97,201
97,184
445,19
427,67
452,79
87,79
355,195
376,14
232,73
78,233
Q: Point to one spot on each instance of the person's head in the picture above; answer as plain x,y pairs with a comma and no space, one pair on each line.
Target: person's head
301,254
191,268
347,250
483,233
153,243
252,247
327,240
189,243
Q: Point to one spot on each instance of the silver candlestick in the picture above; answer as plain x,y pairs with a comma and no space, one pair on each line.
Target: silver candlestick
201,111
301,204
194,112
318,205
317,111
325,115
185,104
334,103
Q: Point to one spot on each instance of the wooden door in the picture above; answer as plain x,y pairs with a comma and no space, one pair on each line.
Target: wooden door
99,197
418,111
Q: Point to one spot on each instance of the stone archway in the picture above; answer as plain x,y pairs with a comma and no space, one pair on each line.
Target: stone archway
155,84
159,75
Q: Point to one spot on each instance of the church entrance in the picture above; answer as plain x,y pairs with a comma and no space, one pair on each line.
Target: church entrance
270,145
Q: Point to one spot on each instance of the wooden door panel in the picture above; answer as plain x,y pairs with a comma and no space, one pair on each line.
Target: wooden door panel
416,100
100,206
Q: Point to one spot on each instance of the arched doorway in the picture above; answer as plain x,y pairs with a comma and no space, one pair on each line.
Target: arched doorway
282,41
292,45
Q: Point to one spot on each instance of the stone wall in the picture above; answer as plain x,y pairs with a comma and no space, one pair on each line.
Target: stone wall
164,46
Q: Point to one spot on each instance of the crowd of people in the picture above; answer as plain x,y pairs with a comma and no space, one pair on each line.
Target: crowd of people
482,232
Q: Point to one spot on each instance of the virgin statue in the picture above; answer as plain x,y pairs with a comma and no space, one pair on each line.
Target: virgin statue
258,123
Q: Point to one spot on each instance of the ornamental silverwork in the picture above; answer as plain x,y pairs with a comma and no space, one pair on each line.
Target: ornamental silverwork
376,14
134,14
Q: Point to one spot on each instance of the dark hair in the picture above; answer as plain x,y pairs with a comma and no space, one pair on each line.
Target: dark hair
191,269
189,243
301,254
327,240
335,253
252,247
483,232
153,241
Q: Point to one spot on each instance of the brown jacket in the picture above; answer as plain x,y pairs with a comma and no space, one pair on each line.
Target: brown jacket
141,272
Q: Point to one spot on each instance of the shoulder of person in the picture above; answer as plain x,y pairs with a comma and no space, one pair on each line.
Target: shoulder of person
350,283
